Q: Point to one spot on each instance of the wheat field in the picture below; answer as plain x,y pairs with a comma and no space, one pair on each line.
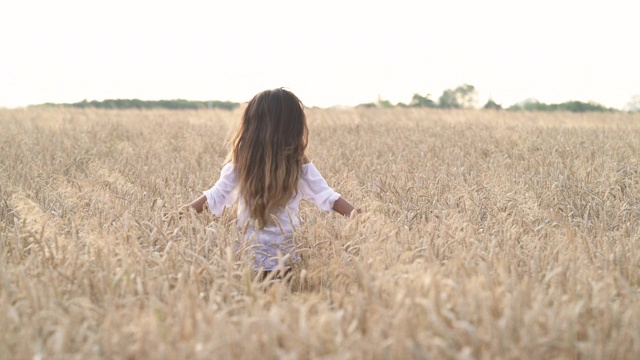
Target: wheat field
484,235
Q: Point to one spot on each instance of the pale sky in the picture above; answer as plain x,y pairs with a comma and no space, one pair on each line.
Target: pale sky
327,52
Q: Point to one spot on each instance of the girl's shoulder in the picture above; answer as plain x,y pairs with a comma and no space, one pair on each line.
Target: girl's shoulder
309,170
228,171
228,168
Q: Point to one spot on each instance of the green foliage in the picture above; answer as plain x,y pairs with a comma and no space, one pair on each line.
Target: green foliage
572,106
634,104
464,96
385,104
149,104
380,103
448,100
422,101
367,105
492,105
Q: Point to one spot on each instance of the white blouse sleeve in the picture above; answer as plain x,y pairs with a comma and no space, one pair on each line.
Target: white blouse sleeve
315,188
224,192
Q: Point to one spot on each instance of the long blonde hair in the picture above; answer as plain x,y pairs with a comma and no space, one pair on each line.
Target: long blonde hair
268,151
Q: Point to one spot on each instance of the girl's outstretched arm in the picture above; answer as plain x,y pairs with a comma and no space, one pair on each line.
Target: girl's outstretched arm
342,207
220,195
199,204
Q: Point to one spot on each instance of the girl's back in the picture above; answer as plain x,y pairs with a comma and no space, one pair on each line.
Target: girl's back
269,172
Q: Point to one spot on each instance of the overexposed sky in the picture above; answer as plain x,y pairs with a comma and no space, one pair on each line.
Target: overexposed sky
327,52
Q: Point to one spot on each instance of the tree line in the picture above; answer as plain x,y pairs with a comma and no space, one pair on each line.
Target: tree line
461,97
177,104
465,97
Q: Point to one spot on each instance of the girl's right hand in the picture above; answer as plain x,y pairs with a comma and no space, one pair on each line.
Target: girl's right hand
354,213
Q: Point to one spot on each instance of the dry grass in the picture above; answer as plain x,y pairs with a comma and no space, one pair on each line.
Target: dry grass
486,235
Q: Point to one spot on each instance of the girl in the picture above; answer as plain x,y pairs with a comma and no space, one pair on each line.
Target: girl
268,169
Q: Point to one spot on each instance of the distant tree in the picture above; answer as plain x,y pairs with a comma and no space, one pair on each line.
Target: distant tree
572,106
527,104
448,100
634,104
82,104
385,104
579,106
492,105
146,104
422,101
464,96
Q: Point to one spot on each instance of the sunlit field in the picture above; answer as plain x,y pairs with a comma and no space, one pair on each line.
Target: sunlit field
483,235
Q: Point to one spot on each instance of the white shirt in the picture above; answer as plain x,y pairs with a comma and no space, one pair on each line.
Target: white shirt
274,238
